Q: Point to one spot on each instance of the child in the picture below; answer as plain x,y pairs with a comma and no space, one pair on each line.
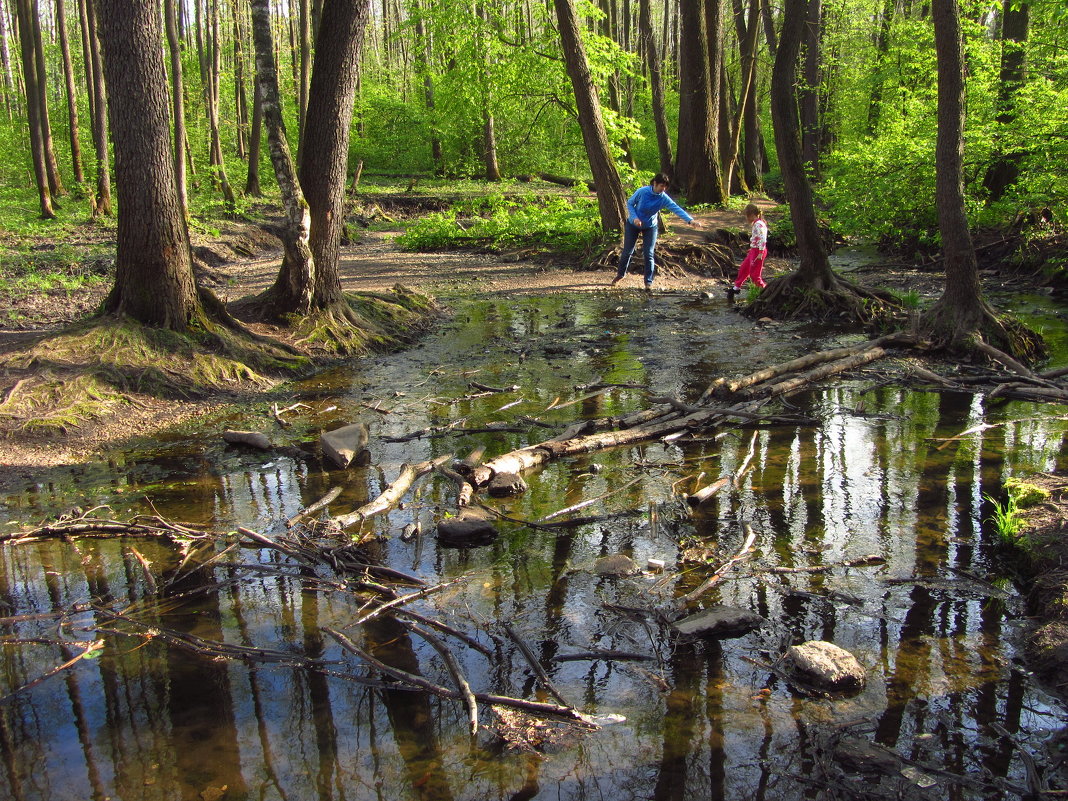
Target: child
753,263
643,208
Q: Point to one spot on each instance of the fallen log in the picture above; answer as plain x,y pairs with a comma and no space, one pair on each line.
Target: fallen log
318,506
391,496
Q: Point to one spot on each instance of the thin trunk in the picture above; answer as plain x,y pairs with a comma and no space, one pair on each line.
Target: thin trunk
810,89
304,22
811,252
102,202
292,290
72,96
1015,24
87,61
252,183
177,104
217,161
610,197
882,46
656,81
240,95
489,143
747,34
5,62
697,167
324,160
29,72
55,179
423,56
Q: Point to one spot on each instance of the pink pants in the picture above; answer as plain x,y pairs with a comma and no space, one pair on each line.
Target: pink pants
752,267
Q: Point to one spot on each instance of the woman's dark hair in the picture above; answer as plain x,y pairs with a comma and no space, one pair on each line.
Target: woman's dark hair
660,178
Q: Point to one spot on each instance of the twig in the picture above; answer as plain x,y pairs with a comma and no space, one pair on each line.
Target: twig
588,502
393,493
319,505
743,553
457,675
90,649
535,665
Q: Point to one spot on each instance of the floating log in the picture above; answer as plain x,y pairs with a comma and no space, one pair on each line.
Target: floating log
391,496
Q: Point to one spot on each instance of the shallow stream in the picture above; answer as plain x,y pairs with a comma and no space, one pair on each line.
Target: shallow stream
949,709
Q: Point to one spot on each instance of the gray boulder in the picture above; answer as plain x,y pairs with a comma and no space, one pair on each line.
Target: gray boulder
823,666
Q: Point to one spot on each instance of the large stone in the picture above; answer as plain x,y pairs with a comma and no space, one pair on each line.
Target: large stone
617,564
720,622
346,445
504,485
469,529
823,666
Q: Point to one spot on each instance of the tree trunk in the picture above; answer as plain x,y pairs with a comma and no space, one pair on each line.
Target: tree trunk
29,72
1016,18
423,60
610,197
174,48
304,21
747,34
5,63
697,170
324,160
814,265
102,202
809,93
656,81
252,183
72,94
961,310
292,291
217,161
153,266
240,95
489,144
55,179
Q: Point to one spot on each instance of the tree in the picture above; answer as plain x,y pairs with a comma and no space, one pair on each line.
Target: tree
1015,21
153,265
292,290
697,167
656,81
961,317
610,197
174,48
813,290
25,15
72,96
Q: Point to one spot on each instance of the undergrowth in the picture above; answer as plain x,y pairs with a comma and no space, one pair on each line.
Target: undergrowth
496,223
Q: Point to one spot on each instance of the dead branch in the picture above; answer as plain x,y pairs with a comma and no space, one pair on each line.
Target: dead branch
702,495
742,554
318,506
146,569
403,600
464,489
494,390
595,654
391,496
534,707
90,648
471,461
865,356
85,526
454,669
1003,358
862,561
588,502
535,665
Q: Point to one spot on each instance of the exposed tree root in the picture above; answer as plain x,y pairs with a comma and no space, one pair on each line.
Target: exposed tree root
951,329
795,296
677,260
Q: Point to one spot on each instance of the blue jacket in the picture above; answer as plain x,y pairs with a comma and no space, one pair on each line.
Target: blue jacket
645,204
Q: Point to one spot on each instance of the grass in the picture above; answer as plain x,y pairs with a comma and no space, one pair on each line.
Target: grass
1006,519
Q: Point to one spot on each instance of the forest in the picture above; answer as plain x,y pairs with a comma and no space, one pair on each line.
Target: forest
336,465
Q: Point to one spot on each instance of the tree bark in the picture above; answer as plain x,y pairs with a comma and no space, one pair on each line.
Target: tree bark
882,45
814,265
697,168
809,94
217,162
252,183
304,22
72,94
610,197
153,265
292,290
747,34
324,160
656,82
961,311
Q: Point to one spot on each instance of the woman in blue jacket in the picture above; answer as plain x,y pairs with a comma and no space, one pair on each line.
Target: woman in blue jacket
643,207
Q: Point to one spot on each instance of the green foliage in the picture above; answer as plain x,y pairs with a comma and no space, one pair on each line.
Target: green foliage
1006,519
1026,495
496,223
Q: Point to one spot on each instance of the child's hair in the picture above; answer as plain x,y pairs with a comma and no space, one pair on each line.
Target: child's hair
753,210
660,178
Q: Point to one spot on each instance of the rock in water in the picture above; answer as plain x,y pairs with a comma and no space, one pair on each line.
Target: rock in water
504,485
824,666
720,622
469,529
346,445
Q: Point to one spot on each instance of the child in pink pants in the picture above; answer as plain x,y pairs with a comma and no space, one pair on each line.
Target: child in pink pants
753,263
